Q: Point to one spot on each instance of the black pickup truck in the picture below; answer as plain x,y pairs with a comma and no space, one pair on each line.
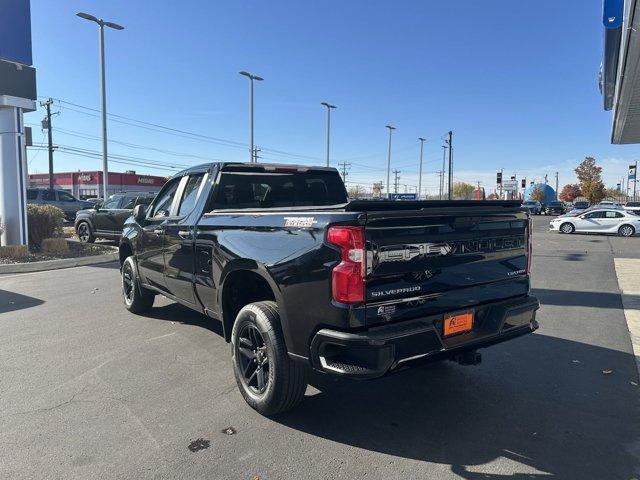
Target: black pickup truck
301,278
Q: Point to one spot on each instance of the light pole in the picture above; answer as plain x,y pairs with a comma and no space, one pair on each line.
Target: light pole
103,94
391,129
329,108
444,159
422,140
251,78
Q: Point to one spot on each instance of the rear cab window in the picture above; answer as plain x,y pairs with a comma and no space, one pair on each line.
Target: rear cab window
287,188
32,194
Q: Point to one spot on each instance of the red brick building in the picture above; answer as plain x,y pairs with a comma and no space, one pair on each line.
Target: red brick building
89,184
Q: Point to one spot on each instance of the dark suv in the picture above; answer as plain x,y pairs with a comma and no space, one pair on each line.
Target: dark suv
107,219
58,198
555,208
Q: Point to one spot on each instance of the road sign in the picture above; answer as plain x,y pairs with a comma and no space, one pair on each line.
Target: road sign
632,172
510,185
403,196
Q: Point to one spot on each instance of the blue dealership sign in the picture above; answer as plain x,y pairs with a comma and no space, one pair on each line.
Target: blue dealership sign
403,196
612,11
15,31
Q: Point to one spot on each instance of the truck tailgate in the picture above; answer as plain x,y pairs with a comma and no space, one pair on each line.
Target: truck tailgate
431,260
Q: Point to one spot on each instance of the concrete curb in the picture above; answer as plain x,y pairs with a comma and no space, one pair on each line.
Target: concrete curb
57,264
628,273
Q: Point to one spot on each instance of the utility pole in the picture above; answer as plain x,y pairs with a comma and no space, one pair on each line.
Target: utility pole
344,166
47,105
422,140
396,179
441,183
450,142
391,129
556,185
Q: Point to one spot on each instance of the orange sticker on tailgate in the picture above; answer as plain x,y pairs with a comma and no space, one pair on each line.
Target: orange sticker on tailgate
458,323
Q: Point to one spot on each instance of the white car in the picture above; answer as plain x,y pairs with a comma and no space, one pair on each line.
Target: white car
622,222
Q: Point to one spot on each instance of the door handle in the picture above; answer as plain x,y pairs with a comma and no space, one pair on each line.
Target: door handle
184,234
158,231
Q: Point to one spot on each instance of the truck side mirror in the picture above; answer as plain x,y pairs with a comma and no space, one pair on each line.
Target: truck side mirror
139,213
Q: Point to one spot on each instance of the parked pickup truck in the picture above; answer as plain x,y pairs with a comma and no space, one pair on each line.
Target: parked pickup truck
301,278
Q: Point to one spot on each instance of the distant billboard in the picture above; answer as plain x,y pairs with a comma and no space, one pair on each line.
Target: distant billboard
403,196
510,185
15,31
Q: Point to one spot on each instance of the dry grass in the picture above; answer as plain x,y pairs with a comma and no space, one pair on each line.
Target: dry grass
54,246
14,252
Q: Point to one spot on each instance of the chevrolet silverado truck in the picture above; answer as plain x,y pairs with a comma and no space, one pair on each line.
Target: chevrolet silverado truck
300,278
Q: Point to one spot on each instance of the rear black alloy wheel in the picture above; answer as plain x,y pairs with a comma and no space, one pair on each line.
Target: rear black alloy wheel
83,230
136,298
626,230
253,358
567,228
268,379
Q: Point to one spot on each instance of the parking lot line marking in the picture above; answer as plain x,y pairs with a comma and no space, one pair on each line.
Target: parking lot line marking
628,273
161,336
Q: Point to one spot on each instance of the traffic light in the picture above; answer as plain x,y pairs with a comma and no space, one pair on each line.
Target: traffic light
499,178
524,183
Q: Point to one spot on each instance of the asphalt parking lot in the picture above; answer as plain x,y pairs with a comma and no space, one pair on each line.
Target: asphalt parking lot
91,391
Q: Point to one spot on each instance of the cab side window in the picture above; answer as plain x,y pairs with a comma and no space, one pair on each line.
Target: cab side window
191,193
164,200
111,203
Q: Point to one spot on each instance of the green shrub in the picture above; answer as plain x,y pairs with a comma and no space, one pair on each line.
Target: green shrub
45,221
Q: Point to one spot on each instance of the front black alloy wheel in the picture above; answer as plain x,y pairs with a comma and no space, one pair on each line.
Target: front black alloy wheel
253,358
136,298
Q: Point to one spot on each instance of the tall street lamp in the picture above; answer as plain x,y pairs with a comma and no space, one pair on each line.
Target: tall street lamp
329,108
422,140
391,129
103,95
251,78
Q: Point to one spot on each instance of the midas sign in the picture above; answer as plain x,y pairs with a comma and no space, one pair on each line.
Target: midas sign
146,180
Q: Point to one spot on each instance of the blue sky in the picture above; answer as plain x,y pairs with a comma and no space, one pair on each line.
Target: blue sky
515,81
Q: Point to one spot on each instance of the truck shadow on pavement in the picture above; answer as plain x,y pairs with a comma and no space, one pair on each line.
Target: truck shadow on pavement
575,298
10,301
537,407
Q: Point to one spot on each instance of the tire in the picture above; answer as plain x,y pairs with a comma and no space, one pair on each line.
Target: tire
85,232
626,231
277,383
136,299
567,228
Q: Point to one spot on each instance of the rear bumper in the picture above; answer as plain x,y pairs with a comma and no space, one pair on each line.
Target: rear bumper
380,350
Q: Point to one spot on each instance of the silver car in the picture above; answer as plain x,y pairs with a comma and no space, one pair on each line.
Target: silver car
58,198
599,220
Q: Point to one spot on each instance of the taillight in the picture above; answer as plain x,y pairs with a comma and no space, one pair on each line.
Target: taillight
529,245
347,281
